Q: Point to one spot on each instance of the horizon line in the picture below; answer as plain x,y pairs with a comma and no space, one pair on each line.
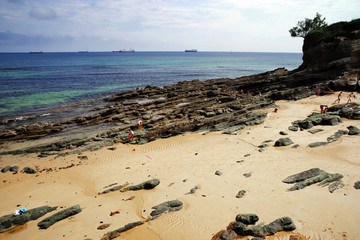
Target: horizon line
116,51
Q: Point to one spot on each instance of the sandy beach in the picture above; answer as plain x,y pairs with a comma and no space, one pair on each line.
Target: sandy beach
189,160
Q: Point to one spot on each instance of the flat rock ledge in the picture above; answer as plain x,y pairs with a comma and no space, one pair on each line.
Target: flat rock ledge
68,212
333,138
310,177
11,221
240,227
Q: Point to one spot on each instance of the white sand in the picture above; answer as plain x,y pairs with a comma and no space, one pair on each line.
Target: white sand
317,213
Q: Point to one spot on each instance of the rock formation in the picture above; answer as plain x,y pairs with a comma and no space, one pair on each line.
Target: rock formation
68,212
10,221
310,177
240,227
343,38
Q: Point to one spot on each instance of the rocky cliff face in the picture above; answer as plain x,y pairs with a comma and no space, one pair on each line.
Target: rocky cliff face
336,47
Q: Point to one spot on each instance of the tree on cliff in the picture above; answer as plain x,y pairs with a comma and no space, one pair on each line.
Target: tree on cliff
306,26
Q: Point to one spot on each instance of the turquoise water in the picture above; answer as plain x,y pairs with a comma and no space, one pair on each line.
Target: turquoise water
34,82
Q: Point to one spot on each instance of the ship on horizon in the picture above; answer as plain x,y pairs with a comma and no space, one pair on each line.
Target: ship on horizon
124,50
40,52
190,50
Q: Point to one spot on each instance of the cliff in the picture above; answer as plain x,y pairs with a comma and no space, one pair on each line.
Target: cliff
334,48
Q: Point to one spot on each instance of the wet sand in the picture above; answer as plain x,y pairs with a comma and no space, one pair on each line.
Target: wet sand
192,159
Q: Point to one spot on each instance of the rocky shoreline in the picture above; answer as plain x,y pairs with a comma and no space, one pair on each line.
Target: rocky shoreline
226,105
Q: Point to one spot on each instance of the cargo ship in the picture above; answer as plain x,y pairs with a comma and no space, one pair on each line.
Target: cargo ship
124,50
190,50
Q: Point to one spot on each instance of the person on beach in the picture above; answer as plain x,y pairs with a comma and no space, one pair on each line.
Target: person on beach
275,110
349,97
321,108
318,91
339,98
131,135
326,109
260,96
242,92
140,123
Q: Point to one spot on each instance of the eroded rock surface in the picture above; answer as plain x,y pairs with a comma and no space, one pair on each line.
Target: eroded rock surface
310,177
241,228
68,212
10,221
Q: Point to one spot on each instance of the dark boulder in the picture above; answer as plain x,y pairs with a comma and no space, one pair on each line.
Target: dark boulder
293,128
14,169
150,184
332,120
283,142
247,219
174,205
29,170
302,175
357,185
5,169
353,130
280,224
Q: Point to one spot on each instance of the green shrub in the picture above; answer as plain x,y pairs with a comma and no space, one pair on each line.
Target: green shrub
328,34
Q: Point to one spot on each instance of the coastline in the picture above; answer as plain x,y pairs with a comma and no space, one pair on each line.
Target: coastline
99,74
317,213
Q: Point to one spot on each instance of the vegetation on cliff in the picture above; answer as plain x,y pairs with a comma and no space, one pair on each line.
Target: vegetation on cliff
304,27
329,33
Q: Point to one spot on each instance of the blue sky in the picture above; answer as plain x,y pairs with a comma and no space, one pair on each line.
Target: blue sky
161,25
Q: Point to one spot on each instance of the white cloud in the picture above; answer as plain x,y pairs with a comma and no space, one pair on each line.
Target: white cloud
174,24
42,13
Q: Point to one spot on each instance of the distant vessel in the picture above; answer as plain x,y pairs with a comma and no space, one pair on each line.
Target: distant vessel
83,51
190,50
124,50
36,52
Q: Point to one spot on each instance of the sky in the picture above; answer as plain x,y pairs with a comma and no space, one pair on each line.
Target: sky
162,25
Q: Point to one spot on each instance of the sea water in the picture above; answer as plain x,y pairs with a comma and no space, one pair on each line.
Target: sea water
32,83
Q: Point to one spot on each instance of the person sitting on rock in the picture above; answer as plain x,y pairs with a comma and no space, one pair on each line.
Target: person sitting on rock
131,135
140,123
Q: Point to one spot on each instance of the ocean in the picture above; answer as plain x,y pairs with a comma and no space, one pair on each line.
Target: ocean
36,83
